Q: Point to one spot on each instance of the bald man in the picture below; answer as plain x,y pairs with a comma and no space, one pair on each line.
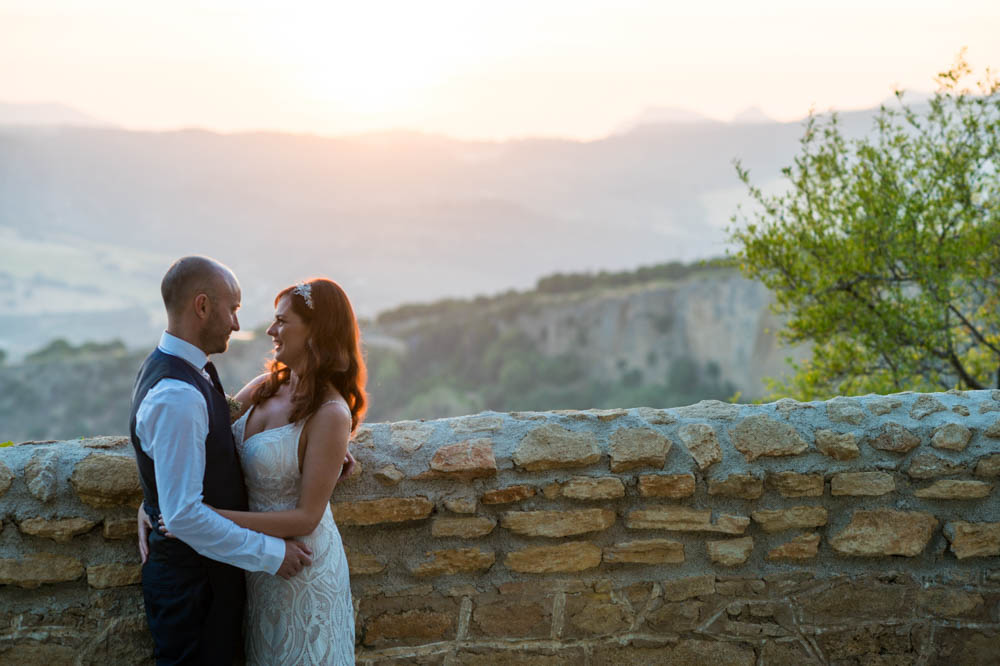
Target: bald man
193,585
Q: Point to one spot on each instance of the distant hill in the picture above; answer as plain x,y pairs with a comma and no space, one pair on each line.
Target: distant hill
45,113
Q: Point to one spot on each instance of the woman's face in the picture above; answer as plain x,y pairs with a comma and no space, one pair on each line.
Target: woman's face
289,333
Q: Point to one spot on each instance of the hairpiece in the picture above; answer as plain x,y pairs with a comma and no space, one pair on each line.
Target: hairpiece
304,289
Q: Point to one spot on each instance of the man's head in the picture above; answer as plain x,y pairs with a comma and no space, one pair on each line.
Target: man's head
201,296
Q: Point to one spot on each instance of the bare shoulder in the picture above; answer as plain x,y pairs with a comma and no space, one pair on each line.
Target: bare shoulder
245,392
333,418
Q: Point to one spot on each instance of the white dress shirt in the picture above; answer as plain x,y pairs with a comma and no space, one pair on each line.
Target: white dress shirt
172,424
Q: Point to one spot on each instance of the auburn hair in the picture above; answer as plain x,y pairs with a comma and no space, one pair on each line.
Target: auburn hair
334,354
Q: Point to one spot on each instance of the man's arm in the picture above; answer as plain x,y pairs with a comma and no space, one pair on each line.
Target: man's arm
172,424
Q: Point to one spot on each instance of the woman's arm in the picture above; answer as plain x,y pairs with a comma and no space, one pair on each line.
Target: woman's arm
245,394
326,436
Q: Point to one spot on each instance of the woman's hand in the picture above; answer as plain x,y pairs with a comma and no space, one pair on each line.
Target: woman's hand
144,527
349,464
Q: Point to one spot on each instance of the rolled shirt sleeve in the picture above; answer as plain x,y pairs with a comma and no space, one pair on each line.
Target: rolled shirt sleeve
172,424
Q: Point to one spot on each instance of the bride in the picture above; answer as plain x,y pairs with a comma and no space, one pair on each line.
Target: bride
292,441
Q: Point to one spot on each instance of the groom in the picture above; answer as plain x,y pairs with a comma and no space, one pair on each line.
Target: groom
193,586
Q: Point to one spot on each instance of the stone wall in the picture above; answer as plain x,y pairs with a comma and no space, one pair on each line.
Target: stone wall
859,530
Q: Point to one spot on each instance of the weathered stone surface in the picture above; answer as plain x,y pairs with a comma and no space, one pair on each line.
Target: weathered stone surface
551,490
650,551
679,589
6,478
107,442
742,486
993,430
105,480
955,490
787,406
845,410
593,488
507,495
684,519
389,475
945,602
670,617
928,465
409,436
364,438
103,576
656,416
505,618
885,532
595,615
925,405
479,423
674,486
701,443
797,517
472,459
637,447
41,475
467,528
120,528
961,410
988,466
58,529
862,483
412,626
552,447
566,557
802,547
363,564
793,484
973,539
39,654
759,435
388,510
839,446
709,409
450,562
951,437
558,523
36,569
883,405
895,438
730,552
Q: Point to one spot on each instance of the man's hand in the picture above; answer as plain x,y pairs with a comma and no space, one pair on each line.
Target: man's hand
297,555
348,469
144,529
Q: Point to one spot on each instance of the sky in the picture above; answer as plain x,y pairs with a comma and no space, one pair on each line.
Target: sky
475,69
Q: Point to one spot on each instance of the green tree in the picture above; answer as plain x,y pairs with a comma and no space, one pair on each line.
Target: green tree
884,252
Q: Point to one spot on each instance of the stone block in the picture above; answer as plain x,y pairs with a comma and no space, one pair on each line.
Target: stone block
955,490
649,551
845,410
105,480
36,569
552,490
553,447
993,430
103,576
106,442
463,504
412,626
674,486
793,484
389,475
925,405
558,523
478,423
41,475
951,437
388,510
741,486
363,564
862,483
928,465
798,517
32,653
709,409
472,459
761,436
568,557
637,447
508,618
593,488
120,528
802,547
679,589
6,478
508,494
894,438
466,528
702,443
839,446
684,519
883,405
950,603
885,532
656,416
988,466
672,617
595,615
450,562
58,529
730,552
973,539
409,436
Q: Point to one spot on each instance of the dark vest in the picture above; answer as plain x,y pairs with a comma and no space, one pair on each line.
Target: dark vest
223,486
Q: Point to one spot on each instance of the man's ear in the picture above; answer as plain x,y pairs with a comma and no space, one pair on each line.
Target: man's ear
202,305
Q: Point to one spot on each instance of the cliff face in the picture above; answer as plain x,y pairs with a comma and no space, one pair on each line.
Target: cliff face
855,530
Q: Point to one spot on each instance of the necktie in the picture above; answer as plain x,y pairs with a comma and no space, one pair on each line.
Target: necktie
214,374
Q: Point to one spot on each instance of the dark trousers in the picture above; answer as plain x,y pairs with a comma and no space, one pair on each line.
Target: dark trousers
195,613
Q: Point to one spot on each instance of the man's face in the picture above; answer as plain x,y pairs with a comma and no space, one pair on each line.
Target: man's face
222,320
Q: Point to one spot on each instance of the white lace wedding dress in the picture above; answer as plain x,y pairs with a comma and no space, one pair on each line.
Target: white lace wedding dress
308,619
